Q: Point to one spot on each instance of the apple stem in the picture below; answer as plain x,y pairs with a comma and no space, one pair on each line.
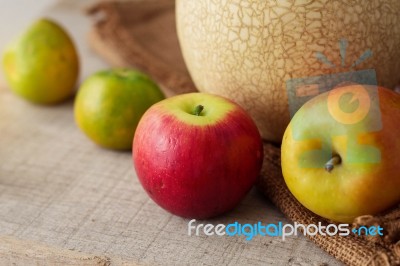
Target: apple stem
198,110
335,160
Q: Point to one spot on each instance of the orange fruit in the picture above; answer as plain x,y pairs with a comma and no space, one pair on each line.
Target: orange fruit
110,103
42,65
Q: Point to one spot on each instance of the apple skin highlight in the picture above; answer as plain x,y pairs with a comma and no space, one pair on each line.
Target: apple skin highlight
199,169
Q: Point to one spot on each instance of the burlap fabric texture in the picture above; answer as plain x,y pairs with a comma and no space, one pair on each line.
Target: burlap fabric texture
142,34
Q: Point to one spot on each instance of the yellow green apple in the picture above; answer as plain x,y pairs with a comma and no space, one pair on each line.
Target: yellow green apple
339,152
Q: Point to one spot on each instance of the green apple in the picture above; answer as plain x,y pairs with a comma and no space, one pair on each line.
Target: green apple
42,65
197,154
339,152
110,103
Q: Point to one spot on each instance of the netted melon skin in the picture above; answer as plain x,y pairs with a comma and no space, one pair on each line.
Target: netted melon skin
248,50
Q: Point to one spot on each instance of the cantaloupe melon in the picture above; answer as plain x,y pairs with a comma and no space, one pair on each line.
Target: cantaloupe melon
248,50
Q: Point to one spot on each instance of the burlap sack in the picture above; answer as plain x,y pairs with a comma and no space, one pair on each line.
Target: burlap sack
142,34
122,38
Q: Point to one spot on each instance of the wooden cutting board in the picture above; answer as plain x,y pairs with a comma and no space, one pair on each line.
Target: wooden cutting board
65,201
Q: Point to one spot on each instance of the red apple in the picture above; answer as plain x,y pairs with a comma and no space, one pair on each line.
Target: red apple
197,154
